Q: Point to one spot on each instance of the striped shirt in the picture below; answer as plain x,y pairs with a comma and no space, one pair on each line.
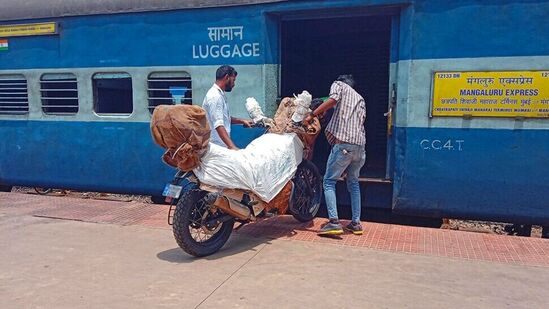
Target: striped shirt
347,123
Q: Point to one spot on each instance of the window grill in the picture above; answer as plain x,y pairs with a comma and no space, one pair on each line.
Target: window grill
169,88
59,94
13,94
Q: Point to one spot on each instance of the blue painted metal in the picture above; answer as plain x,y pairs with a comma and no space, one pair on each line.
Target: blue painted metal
96,156
471,28
429,30
395,37
141,39
481,173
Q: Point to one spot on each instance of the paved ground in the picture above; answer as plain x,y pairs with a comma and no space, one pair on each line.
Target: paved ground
73,253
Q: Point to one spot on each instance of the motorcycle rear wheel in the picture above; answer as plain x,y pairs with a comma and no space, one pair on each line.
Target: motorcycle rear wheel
190,227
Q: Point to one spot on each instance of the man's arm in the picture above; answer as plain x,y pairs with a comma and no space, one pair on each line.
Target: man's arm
335,96
245,122
225,137
326,105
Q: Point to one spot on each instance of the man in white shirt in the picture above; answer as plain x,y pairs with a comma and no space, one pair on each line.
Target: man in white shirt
217,109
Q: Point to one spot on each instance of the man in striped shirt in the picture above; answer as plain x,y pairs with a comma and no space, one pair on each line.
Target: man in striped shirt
345,133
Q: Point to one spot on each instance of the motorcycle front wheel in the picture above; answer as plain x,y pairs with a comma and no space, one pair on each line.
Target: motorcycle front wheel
195,227
306,192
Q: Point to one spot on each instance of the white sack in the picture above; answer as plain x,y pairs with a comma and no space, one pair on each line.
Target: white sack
263,167
302,103
254,110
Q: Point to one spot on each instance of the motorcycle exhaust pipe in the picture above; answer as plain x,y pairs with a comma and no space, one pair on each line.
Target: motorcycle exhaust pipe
228,206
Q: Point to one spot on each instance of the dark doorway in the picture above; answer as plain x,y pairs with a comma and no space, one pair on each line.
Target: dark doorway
314,52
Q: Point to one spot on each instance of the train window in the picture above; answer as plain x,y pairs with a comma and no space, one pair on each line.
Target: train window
169,88
59,93
112,93
13,94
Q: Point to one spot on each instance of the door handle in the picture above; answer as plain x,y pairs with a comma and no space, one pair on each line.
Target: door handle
389,115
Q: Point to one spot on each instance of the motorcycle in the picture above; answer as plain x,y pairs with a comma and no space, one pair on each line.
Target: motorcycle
203,217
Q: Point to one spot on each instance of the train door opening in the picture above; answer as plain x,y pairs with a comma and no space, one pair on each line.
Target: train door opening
314,52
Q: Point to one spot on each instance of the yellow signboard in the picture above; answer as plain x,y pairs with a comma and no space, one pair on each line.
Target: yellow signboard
28,29
491,94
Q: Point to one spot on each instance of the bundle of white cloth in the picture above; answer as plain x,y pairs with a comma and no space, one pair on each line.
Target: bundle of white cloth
263,167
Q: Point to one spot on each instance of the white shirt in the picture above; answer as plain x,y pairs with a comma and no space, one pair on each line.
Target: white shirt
217,112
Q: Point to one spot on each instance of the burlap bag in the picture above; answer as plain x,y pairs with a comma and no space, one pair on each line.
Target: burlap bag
282,200
183,131
283,124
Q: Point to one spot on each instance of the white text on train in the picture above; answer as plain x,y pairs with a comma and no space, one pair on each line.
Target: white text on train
224,45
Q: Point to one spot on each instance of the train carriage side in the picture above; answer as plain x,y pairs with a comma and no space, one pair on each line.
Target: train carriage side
474,166
75,106
477,167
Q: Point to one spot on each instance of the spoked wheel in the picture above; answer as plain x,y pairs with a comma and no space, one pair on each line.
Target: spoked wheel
43,191
197,229
306,192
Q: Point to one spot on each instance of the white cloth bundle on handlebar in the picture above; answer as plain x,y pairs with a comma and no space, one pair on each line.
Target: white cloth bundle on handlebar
264,167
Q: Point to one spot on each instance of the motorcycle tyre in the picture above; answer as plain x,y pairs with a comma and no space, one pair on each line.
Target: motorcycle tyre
306,164
181,231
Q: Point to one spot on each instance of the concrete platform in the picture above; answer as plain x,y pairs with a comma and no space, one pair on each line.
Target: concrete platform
56,255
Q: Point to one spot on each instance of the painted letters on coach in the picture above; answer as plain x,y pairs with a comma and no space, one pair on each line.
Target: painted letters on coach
226,42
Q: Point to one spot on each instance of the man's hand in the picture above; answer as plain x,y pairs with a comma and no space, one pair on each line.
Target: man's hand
225,137
319,111
308,119
247,123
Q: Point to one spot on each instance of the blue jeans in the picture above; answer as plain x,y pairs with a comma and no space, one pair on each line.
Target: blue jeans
344,158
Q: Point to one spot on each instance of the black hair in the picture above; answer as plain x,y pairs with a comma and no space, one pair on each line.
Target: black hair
315,103
225,70
347,79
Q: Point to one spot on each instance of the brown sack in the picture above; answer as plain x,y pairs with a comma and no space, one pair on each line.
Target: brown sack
283,124
183,131
282,200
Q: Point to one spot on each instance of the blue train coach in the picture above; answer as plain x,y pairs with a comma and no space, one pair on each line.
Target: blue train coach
457,92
